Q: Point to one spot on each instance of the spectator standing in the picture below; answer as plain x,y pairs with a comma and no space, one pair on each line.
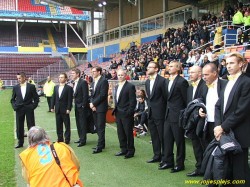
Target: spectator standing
31,81
190,20
204,34
223,69
89,65
205,61
242,37
159,39
49,90
218,35
1,84
238,18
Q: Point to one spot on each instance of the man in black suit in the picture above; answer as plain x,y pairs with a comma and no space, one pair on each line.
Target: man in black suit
157,99
232,112
195,91
81,95
210,96
62,102
125,102
246,68
99,106
24,101
177,100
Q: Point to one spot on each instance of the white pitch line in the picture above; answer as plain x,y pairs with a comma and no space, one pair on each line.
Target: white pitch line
55,130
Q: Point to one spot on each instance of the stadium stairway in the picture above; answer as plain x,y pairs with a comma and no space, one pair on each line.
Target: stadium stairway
51,39
52,9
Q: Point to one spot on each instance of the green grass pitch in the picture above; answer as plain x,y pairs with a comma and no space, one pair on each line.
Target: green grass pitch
97,170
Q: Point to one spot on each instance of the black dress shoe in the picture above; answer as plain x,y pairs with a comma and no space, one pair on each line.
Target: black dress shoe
19,145
81,144
120,153
165,166
153,160
161,163
78,141
195,173
96,151
176,169
67,142
128,156
96,147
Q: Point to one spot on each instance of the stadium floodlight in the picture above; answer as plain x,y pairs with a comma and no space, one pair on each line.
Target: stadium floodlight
104,3
133,2
100,4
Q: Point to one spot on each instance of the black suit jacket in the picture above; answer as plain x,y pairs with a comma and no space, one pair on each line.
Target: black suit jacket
220,86
236,115
99,95
30,100
127,100
177,98
224,74
64,102
198,92
81,94
157,100
247,73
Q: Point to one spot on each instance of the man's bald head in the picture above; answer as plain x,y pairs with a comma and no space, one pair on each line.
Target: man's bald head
195,73
212,67
121,74
210,73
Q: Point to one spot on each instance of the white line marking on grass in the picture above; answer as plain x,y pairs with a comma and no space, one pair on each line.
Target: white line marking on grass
55,130
115,128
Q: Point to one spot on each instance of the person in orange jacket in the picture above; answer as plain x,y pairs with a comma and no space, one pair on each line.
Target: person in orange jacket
39,167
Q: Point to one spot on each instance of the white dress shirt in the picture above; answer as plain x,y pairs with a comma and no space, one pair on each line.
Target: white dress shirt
75,85
195,87
119,90
228,89
152,82
23,89
96,82
60,90
211,99
209,56
171,82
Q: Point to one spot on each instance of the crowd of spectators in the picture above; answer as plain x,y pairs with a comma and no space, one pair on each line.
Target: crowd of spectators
191,44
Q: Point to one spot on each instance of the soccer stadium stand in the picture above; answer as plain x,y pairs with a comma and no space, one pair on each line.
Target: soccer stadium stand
10,64
59,38
7,5
31,36
28,8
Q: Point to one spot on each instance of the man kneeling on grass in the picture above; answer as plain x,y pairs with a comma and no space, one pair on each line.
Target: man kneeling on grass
46,164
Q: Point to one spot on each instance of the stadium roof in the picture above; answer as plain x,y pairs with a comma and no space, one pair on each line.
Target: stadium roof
89,4
111,4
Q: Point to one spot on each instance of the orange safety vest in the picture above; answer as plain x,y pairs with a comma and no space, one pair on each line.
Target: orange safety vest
43,169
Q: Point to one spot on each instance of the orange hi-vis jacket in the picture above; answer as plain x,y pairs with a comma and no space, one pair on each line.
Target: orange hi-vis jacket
40,168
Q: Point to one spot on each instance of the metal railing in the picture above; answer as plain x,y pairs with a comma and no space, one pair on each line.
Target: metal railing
50,70
9,83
